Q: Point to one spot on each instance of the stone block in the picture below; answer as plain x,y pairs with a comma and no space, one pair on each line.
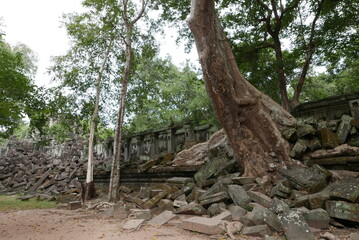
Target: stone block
140,214
243,180
260,198
299,148
210,168
317,218
278,206
354,236
144,192
311,179
261,216
161,218
329,139
214,198
74,205
344,128
208,226
217,208
132,224
239,196
343,210
355,123
237,212
305,131
226,215
258,230
178,203
345,189
192,209
295,227
290,134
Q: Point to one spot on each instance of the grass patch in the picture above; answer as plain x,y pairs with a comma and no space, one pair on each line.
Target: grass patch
12,203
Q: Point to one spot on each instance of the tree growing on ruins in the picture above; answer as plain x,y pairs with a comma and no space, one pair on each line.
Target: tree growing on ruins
130,16
251,119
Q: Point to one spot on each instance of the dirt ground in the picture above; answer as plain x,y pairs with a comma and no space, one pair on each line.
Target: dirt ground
56,224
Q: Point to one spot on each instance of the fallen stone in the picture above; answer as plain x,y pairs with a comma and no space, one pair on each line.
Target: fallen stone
192,209
290,134
299,148
329,139
328,236
239,196
39,182
305,130
208,226
344,128
311,179
140,214
259,230
217,208
144,192
214,198
354,236
74,205
162,218
132,224
343,210
178,203
314,144
281,189
260,198
278,206
226,215
195,194
243,180
237,212
261,216
317,218
345,189
107,213
295,227
153,201
355,123
210,169
196,155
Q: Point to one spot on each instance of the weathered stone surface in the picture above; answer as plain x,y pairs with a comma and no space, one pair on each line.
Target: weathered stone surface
196,155
214,198
354,236
178,203
265,216
290,134
140,214
354,141
210,168
239,196
237,212
343,210
345,189
317,218
243,180
132,224
203,225
161,219
278,206
344,128
217,208
295,227
195,195
74,205
305,130
329,139
281,189
259,230
355,123
299,148
153,201
311,179
260,198
314,144
192,209
226,215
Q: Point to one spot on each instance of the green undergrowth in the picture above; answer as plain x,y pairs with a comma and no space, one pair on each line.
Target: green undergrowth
11,202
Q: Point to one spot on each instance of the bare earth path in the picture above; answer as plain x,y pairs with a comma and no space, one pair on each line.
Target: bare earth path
54,224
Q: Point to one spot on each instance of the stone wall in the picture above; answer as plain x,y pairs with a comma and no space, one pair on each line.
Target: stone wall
329,108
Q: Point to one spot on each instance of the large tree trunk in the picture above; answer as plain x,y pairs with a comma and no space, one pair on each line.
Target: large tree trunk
251,119
90,190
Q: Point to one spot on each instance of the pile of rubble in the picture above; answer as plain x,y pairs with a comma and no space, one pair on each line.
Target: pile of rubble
303,205
311,135
25,169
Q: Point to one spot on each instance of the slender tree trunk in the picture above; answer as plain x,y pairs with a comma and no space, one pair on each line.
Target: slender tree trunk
115,170
90,191
251,119
308,59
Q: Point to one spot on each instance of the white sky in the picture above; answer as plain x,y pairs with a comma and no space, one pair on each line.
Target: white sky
36,23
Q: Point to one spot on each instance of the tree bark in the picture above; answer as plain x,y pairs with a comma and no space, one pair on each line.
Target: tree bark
90,190
250,119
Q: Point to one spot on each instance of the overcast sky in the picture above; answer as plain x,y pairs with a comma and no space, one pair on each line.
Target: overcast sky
36,23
